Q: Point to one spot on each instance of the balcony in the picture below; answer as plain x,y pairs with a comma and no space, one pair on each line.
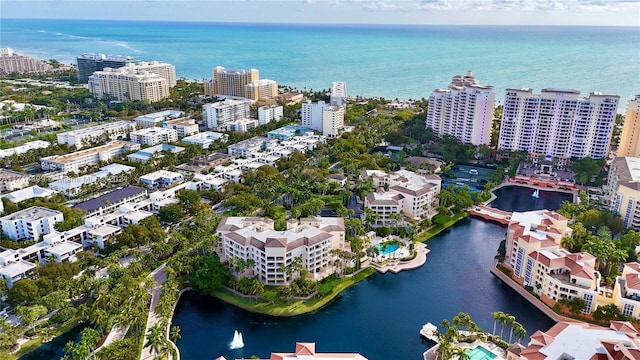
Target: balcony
565,278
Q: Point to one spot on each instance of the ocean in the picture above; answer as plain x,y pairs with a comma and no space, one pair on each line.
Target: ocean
391,61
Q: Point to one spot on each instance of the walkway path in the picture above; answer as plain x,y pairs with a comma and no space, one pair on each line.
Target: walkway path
397,266
160,277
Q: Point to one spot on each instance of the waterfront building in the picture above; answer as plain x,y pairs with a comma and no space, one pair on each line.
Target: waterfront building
147,154
255,238
21,149
156,119
623,190
307,351
338,94
111,201
80,159
579,340
463,110
72,186
13,62
269,113
134,82
217,115
323,117
558,123
91,62
184,126
154,136
242,125
629,144
12,180
205,139
30,223
261,89
161,178
402,193
231,82
626,290
86,136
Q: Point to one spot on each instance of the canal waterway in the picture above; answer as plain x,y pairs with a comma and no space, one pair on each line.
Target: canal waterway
379,317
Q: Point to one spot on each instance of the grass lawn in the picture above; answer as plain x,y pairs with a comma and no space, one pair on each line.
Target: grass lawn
436,229
279,307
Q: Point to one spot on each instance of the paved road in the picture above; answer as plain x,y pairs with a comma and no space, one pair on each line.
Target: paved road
160,276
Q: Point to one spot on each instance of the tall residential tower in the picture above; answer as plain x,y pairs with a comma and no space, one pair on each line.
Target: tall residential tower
89,63
558,123
464,110
630,137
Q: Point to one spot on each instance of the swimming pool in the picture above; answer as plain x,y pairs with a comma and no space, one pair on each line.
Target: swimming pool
388,249
480,353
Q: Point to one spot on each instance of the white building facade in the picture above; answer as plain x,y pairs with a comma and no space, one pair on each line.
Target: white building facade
558,123
464,110
267,114
154,136
83,137
217,115
323,117
30,223
77,160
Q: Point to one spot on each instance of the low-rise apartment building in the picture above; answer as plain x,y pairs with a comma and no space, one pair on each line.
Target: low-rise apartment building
402,193
154,136
111,201
205,139
161,178
149,153
184,126
109,174
242,125
12,180
80,159
30,223
156,119
21,149
255,238
85,137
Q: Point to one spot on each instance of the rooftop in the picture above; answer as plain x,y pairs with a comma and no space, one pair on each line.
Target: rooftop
160,116
88,152
109,198
7,174
100,128
31,214
16,268
28,193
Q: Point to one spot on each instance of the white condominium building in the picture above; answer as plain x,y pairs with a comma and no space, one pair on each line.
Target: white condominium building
408,194
558,123
12,180
157,118
205,139
13,62
261,89
217,115
242,125
154,136
30,223
164,70
323,117
89,63
338,93
267,114
623,187
32,145
183,126
630,138
231,82
84,137
464,110
255,238
123,85
77,160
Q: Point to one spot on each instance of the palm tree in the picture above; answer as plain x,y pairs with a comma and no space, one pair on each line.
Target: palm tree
498,316
508,319
155,339
462,354
520,331
174,333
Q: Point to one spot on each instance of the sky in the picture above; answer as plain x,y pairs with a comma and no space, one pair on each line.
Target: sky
454,12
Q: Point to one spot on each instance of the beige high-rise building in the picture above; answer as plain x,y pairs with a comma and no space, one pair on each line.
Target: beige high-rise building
623,187
630,138
231,82
261,89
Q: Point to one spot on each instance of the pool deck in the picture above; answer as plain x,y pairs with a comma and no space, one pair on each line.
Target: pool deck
398,265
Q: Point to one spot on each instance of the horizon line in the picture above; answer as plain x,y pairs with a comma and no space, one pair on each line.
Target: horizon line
327,23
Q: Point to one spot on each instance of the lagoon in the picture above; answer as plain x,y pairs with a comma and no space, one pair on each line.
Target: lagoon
379,317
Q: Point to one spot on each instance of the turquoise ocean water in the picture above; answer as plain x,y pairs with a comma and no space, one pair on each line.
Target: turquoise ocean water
403,61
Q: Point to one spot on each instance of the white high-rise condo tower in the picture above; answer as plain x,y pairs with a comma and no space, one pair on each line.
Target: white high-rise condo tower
464,110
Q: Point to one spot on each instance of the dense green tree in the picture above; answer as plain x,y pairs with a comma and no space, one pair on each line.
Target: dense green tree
211,275
171,214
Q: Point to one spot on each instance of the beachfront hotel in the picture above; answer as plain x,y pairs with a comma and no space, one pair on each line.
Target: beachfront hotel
261,89
89,63
255,238
240,83
579,340
623,190
217,115
408,194
80,159
338,93
463,110
558,123
629,144
13,62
